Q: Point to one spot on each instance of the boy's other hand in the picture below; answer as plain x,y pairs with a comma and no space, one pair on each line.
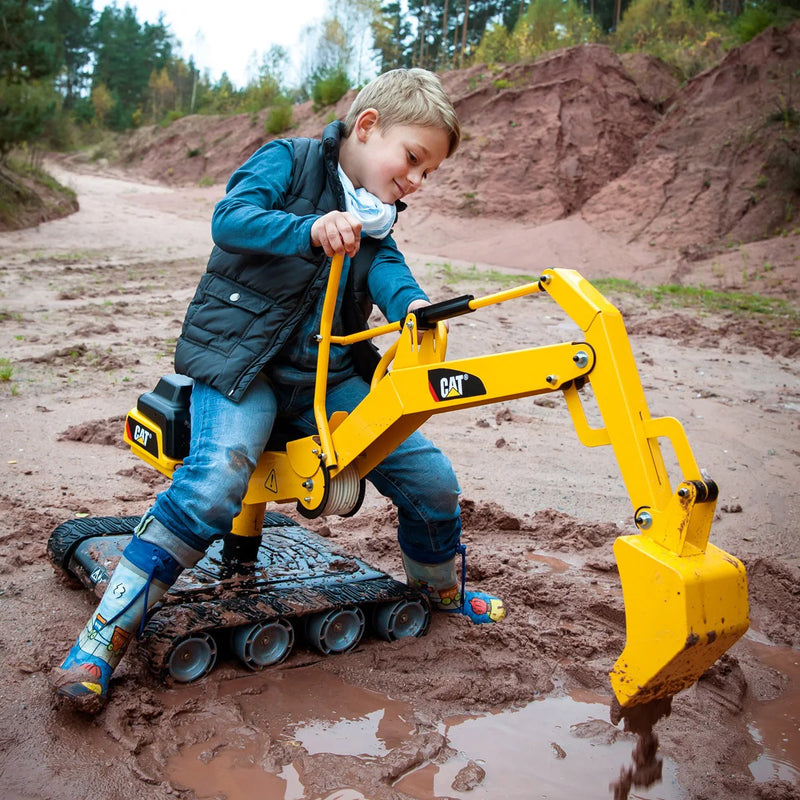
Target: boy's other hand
337,232
414,305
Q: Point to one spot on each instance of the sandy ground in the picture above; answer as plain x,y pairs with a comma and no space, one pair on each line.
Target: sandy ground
90,307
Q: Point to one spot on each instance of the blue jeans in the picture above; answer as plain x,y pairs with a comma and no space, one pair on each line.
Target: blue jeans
227,439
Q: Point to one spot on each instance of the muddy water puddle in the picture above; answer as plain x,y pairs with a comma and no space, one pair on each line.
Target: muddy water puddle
775,724
550,563
555,748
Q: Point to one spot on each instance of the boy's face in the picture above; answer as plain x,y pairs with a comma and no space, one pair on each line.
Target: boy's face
393,163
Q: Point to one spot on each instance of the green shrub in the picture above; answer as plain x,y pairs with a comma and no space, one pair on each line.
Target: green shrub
685,36
549,25
279,118
495,46
329,86
752,21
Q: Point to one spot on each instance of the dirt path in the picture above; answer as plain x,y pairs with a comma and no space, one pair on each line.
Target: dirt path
90,307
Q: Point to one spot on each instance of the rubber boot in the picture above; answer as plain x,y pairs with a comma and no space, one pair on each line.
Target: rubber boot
440,583
144,573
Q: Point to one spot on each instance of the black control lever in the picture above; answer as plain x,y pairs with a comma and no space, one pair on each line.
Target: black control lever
428,316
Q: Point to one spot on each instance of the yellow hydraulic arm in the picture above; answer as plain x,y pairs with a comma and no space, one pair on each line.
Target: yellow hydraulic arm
685,600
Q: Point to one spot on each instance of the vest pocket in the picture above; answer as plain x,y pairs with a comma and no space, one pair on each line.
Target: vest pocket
222,314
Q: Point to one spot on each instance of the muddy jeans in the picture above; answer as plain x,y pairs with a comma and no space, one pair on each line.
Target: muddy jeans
227,439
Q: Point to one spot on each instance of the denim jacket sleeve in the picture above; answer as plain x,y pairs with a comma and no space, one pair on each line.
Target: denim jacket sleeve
249,220
391,284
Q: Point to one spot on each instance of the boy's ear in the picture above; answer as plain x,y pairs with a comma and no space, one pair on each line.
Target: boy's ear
366,121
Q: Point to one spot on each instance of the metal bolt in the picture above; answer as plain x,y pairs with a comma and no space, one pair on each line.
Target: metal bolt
410,324
545,279
551,378
306,499
581,358
683,492
644,520
308,484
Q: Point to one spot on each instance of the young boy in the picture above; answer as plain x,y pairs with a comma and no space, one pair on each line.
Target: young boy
248,343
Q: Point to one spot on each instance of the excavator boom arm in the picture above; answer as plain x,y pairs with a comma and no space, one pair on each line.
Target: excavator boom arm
685,599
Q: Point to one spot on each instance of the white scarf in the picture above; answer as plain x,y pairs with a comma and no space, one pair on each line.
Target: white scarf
376,217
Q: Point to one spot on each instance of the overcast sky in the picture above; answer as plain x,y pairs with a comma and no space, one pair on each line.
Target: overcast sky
223,35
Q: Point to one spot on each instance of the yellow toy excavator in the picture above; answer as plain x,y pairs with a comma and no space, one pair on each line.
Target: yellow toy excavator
685,599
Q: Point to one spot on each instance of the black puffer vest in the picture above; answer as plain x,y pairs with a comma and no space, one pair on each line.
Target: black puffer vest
247,306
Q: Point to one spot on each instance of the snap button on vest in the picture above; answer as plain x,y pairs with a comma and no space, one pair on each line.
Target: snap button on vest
234,297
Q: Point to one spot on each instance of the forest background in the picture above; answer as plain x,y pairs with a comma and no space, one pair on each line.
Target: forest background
71,77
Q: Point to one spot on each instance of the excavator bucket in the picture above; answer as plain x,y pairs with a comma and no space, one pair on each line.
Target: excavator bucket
685,599
682,613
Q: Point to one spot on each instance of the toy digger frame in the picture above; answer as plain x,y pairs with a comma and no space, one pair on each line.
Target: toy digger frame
685,599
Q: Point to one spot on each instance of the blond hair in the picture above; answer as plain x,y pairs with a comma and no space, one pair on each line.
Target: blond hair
407,97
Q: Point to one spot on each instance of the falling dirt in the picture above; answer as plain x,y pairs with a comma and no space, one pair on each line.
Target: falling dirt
647,767
90,307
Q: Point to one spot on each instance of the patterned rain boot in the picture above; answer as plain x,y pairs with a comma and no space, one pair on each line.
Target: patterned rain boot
440,583
143,575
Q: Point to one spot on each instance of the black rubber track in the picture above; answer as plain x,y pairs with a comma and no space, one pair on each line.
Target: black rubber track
66,537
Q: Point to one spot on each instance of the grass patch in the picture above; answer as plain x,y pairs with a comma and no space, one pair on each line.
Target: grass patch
28,196
664,295
504,280
701,298
6,370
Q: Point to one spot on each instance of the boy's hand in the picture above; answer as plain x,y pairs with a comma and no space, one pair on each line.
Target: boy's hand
415,304
337,232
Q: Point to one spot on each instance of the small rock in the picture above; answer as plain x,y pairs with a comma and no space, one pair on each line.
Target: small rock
468,777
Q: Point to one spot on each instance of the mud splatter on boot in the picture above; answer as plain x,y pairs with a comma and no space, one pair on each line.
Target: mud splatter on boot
141,578
440,582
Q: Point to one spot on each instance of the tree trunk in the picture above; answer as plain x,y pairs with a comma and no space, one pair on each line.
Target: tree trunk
444,58
421,33
464,34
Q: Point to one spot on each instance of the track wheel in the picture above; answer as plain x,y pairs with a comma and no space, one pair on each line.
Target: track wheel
192,657
263,644
401,618
336,631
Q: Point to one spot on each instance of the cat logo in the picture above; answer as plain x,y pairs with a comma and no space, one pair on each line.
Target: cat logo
271,483
142,435
449,384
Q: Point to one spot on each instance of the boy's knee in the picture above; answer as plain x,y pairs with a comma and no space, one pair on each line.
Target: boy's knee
439,498
428,541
